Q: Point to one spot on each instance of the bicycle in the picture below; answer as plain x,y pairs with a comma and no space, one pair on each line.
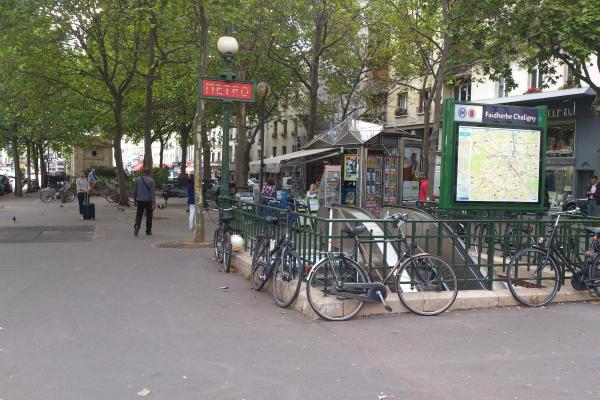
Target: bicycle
113,195
515,236
425,283
222,238
60,192
282,264
533,274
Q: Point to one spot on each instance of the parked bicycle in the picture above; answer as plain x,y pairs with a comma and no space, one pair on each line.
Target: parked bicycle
59,192
514,237
534,275
113,195
425,283
281,263
222,239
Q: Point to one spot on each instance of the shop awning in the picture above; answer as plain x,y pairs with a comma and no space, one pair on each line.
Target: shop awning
350,132
542,96
273,164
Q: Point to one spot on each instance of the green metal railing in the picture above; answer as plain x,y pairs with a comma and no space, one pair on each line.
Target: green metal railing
479,248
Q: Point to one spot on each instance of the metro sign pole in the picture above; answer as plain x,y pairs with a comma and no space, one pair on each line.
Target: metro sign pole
228,90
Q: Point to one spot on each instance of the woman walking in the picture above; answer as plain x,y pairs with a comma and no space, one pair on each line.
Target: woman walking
83,190
191,202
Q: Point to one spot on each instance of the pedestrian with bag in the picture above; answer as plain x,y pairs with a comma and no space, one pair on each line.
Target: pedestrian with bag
83,191
191,200
593,195
144,198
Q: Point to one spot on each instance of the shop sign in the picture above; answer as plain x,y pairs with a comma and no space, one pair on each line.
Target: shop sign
225,90
510,115
561,111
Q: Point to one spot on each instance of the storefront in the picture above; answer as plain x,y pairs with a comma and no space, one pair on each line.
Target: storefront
573,140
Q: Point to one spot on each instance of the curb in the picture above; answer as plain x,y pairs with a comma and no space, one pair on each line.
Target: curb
466,299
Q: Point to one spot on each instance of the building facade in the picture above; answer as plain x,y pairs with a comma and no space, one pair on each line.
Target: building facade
573,139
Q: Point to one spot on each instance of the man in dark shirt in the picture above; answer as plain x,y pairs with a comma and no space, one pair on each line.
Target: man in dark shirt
145,199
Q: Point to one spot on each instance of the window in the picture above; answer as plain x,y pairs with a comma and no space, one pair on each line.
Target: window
275,128
283,150
284,122
536,78
501,88
423,96
294,148
258,154
561,139
402,105
462,91
212,157
570,78
295,131
274,151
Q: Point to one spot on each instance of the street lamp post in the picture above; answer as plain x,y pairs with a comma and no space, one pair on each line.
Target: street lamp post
228,47
263,90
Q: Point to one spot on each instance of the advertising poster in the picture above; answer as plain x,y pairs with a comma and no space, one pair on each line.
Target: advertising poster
350,167
412,160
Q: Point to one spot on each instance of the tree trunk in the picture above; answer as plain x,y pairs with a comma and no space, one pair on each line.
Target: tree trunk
184,135
320,20
36,168
43,169
17,165
437,104
242,166
198,119
118,136
148,163
206,172
161,153
29,166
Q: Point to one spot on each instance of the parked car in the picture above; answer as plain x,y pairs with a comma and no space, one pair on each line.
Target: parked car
7,184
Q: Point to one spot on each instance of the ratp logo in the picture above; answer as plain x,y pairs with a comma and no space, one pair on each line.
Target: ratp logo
462,112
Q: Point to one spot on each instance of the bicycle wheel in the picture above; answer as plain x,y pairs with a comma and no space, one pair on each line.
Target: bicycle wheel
258,276
259,262
533,277
47,195
227,252
322,290
426,284
218,244
287,279
68,196
109,195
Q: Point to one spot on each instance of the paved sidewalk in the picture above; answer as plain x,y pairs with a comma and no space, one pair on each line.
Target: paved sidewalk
108,317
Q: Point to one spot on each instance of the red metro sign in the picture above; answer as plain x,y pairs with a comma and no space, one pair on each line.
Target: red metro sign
226,90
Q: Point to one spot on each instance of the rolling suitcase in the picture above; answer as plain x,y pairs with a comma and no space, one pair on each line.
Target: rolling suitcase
89,209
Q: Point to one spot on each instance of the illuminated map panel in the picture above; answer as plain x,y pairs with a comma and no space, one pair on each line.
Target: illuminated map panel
498,165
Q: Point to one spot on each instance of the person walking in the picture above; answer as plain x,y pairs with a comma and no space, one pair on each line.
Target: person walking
593,195
269,191
191,200
144,198
83,190
312,191
92,179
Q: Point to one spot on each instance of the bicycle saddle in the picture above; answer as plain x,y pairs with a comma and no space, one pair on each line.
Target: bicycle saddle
593,229
271,220
357,230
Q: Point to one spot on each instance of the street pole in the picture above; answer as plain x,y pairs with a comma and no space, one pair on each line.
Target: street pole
227,47
262,145
263,90
225,150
